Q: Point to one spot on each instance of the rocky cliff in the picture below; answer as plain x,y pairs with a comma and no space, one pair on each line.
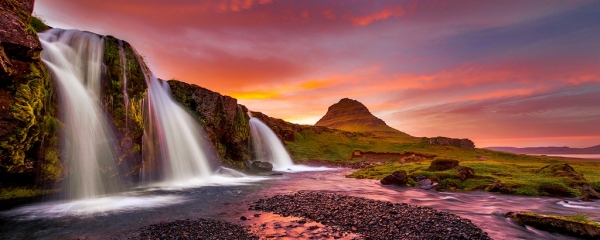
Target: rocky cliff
225,121
28,136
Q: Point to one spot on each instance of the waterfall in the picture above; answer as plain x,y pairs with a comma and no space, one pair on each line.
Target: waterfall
74,59
174,146
123,57
268,147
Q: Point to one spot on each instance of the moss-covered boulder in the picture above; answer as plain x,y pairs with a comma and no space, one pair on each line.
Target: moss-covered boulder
398,178
442,164
573,181
564,225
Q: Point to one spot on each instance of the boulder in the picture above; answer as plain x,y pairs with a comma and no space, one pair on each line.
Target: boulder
398,178
464,173
261,166
442,164
498,187
427,184
577,181
550,223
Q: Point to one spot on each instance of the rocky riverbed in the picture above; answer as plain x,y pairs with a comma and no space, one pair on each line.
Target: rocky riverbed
372,219
194,229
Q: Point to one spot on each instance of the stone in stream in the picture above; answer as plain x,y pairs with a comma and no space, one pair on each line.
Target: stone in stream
259,166
398,178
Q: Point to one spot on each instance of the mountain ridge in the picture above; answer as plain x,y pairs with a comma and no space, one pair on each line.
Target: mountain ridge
548,150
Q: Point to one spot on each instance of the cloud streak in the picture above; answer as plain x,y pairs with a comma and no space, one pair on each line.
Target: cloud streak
495,69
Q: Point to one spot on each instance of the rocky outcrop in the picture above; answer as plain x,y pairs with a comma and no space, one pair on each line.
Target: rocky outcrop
123,101
550,223
442,164
398,178
28,137
444,141
573,179
226,123
286,131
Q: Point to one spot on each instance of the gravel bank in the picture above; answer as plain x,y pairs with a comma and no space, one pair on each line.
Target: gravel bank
371,218
195,229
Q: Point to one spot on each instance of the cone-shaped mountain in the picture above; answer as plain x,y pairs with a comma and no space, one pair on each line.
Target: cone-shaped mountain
351,115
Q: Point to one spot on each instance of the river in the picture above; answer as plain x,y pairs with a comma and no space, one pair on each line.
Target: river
228,200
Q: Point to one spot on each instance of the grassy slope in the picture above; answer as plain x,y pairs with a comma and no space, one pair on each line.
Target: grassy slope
517,172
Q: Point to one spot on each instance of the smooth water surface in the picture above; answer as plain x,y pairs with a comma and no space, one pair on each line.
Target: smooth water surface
229,202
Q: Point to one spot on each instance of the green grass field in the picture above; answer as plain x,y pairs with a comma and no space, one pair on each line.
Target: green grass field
520,174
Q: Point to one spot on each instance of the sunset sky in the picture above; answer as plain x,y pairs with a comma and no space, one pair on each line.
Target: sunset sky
518,73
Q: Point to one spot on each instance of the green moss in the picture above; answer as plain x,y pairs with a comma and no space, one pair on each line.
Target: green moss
38,24
23,192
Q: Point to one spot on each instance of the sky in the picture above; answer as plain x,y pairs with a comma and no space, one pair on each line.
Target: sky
501,73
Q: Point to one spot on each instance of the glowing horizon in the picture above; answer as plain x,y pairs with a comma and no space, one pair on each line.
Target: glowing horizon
518,73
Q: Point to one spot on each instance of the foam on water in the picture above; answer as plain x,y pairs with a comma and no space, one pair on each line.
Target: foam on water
92,206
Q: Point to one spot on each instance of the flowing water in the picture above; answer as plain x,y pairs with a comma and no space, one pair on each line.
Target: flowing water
122,215
75,58
176,150
268,147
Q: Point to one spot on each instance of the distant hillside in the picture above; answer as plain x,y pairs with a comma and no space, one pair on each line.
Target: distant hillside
548,150
353,116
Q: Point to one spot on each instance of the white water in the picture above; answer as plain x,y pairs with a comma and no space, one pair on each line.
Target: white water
74,58
177,152
269,148
123,59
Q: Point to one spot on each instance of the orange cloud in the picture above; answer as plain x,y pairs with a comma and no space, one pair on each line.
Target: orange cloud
362,21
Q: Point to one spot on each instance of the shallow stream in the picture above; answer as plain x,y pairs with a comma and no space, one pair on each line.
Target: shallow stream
228,199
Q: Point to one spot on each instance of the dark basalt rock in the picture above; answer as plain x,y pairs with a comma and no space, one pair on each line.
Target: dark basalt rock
442,164
258,166
558,224
398,178
464,173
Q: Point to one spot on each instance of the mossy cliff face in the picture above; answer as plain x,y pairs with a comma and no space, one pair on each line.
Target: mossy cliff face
123,89
226,123
28,137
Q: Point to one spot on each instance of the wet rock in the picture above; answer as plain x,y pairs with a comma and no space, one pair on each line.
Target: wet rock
464,173
588,230
427,184
398,178
372,219
261,166
243,218
442,164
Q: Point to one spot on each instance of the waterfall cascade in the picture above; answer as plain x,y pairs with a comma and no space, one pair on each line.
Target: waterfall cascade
268,147
75,59
183,152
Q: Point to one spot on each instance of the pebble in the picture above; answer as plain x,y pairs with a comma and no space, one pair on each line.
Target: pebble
195,229
372,219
